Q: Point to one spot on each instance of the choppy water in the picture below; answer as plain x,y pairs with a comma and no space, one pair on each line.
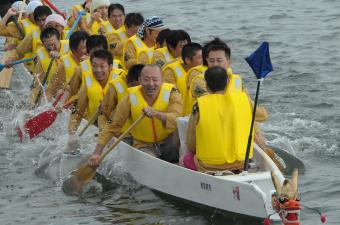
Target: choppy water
301,96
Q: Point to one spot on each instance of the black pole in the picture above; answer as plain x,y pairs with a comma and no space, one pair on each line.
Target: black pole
44,82
246,160
15,20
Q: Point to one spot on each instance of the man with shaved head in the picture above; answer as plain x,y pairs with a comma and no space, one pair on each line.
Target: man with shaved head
155,134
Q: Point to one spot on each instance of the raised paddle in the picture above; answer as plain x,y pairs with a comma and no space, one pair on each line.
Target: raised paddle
85,173
2,66
40,122
80,14
260,63
21,31
54,8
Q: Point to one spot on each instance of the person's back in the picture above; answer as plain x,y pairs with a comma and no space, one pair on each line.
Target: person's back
215,133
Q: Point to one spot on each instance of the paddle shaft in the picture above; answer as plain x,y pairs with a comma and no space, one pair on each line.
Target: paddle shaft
21,31
91,121
20,13
54,8
2,66
246,160
80,14
120,138
44,81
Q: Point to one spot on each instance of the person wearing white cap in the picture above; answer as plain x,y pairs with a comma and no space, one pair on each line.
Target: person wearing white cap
57,22
99,14
27,24
139,48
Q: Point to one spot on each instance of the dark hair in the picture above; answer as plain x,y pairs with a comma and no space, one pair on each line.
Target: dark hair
76,38
102,54
133,19
216,78
49,32
118,6
175,37
40,11
215,45
162,36
189,50
95,41
134,72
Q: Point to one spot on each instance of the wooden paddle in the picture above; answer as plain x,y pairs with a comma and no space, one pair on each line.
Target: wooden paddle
20,12
84,174
90,122
54,8
6,73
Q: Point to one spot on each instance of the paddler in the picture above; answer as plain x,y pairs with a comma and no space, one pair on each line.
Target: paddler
216,133
69,63
118,89
85,7
116,18
117,38
139,48
99,14
161,38
53,48
176,72
173,50
91,94
156,133
94,42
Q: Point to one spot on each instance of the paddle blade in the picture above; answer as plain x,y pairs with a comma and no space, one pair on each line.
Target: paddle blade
2,66
39,123
76,181
259,61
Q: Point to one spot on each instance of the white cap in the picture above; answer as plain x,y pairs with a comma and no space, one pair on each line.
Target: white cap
19,6
56,18
32,5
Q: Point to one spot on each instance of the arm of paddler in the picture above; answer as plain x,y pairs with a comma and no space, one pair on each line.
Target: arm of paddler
174,110
130,55
25,46
191,130
56,83
261,112
199,87
78,113
108,104
169,77
122,113
75,82
9,31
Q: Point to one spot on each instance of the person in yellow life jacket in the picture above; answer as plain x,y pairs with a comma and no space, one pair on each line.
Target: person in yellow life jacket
118,89
93,43
216,137
99,14
53,48
116,18
57,22
26,24
84,7
175,42
176,72
155,134
68,64
91,94
31,41
117,38
139,48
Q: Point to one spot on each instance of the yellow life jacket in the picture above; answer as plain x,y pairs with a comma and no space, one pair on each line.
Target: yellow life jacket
115,37
86,69
28,26
149,129
45,59
95,93
162,56
95,26
190,100
70,65
180,75
141,48
221,136
36,42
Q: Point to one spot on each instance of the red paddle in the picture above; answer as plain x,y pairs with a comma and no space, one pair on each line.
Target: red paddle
40,122
54,8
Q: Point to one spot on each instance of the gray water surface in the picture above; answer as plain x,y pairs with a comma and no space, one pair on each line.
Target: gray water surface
301,95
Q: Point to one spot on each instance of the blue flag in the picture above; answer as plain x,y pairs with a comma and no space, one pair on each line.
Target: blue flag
259,61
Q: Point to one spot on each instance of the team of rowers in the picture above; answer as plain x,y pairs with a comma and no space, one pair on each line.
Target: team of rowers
115,67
